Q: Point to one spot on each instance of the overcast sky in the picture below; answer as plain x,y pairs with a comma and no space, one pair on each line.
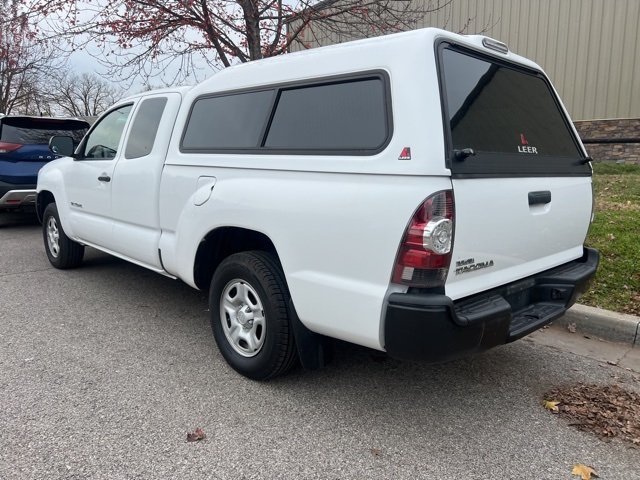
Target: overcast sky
81,61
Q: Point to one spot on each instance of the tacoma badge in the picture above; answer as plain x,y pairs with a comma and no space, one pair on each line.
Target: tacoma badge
469,265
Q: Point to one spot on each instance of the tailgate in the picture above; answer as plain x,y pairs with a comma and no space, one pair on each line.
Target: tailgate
510,228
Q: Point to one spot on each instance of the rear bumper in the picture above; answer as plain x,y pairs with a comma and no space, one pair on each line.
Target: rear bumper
433,328
17,196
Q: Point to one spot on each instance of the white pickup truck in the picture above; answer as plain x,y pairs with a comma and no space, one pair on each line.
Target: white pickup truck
423,194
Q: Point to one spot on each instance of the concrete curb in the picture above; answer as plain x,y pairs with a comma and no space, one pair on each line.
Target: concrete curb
611,326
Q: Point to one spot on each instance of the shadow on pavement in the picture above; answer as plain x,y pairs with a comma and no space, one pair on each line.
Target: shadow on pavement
18,219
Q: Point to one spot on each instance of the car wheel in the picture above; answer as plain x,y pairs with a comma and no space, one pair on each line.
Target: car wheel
250,317
63,252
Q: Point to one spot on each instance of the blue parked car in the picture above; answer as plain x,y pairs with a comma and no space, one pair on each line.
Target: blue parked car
24,149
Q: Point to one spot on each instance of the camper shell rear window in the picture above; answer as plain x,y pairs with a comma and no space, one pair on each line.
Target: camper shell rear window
508,115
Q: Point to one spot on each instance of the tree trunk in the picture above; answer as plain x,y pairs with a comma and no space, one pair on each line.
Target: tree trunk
252,20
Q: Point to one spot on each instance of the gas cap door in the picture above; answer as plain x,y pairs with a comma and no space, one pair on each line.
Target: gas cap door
203,190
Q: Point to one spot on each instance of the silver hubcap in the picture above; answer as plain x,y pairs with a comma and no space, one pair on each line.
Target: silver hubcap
242,317
53,237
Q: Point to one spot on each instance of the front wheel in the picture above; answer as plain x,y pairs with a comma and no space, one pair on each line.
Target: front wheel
250,318
63,252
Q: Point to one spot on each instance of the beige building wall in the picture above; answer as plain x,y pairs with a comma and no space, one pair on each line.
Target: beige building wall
589,48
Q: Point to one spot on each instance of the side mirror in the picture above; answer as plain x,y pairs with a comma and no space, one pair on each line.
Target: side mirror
61,145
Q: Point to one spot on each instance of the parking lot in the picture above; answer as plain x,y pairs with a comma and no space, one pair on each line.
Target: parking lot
104,369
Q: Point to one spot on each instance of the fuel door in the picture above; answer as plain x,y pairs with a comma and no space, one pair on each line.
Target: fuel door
204,188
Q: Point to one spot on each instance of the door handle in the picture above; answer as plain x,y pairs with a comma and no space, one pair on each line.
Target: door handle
540,198
104,178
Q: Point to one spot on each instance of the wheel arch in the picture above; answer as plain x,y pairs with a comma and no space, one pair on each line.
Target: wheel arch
314,350
221,242
44,198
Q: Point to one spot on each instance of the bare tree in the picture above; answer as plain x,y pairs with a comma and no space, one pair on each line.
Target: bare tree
23,61
332,21
147,37
83,95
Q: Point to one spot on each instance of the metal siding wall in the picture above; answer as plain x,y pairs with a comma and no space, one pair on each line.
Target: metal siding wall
629,79
589,48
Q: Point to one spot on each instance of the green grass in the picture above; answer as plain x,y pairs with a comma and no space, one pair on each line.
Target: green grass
616,233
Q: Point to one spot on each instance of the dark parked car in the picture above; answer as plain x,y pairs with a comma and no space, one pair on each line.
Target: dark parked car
24,149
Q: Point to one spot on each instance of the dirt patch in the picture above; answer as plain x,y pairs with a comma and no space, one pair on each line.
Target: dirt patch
604,204
634,304
608,411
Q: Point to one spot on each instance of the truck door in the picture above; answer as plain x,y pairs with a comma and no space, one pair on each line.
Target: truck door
136,179
89,180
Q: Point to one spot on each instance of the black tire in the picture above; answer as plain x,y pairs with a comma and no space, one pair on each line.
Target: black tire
264,346
63,252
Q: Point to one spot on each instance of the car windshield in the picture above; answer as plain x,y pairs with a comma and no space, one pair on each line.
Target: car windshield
39,131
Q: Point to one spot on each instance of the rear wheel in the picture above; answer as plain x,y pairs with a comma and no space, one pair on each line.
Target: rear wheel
250,317
63,252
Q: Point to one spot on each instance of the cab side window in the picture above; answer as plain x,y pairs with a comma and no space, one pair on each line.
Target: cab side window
104,139
145,128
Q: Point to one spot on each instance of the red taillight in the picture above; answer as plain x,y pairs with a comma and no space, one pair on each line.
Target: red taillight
425,252
6,147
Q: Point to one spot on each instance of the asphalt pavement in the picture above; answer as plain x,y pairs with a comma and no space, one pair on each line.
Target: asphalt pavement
105,368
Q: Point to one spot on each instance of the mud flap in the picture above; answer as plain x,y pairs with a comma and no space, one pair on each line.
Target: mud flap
315,350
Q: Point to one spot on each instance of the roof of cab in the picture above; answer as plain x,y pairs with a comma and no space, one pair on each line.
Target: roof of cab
180,90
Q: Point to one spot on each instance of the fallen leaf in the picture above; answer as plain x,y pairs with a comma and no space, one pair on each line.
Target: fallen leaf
572,327
376,452
585,472
197,435
610,362
607,411
611,236
551,405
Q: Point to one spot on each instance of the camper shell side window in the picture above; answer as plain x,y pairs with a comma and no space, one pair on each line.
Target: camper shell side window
334,116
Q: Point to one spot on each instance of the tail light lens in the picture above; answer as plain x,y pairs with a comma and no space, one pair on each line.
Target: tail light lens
424,255
6,147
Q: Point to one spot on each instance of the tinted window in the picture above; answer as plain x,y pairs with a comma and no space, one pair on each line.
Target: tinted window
231,121
39,131
496,108
105,137
145,127
339,116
